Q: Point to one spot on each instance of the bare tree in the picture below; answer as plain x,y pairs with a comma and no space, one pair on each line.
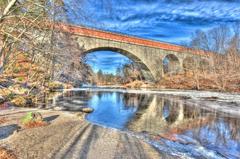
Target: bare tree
226,59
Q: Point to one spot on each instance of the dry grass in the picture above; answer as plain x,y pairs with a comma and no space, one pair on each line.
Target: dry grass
6,154
187,81
138,84
2,120
22,67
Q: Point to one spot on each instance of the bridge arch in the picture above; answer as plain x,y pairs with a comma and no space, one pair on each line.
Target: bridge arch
204,64
191,63
145,70
171,64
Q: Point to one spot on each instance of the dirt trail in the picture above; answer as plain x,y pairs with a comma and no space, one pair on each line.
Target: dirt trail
71,137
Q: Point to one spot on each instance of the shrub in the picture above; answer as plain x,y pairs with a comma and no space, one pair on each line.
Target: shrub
10,96
19,101
32,120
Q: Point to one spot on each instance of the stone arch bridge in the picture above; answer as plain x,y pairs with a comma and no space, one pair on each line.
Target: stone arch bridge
148,54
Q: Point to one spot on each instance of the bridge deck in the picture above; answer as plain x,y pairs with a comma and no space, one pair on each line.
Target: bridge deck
89,32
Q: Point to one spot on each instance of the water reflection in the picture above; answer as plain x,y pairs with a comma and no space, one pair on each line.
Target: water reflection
182,127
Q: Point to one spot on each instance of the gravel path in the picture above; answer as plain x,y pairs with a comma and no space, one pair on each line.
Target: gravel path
71,137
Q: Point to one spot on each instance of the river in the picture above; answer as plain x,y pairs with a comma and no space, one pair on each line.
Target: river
185,124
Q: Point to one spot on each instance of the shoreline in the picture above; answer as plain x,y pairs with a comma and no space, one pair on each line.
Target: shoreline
70,136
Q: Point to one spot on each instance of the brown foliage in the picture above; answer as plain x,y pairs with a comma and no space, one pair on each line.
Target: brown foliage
209,82
2,120
35,124
6,154
138,84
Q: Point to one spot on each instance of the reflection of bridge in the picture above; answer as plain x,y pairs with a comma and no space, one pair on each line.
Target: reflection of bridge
146,53
165,116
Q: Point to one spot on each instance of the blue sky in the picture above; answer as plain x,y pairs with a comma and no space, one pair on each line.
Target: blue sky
172,21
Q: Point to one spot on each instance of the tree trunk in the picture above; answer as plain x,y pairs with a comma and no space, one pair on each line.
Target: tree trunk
2,55
7,9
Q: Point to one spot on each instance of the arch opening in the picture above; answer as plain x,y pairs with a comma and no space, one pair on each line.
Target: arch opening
189,63
133,63
171,64
204,65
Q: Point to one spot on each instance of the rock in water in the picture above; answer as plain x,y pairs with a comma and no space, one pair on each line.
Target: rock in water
87,110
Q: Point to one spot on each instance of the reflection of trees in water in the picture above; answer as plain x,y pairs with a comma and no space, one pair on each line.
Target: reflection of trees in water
234,127
220,131
99,95
73,94
74,99
136,100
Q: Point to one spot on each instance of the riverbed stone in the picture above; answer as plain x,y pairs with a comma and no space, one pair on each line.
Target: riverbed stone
87,110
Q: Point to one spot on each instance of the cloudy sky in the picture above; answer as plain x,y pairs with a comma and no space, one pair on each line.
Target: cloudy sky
172,21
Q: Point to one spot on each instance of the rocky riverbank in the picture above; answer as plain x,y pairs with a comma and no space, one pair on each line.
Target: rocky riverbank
68,135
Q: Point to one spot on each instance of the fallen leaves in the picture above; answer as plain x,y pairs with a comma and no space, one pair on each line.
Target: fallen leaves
6,154
2,120
35,124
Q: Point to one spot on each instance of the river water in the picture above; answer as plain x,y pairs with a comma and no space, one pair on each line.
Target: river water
174,124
